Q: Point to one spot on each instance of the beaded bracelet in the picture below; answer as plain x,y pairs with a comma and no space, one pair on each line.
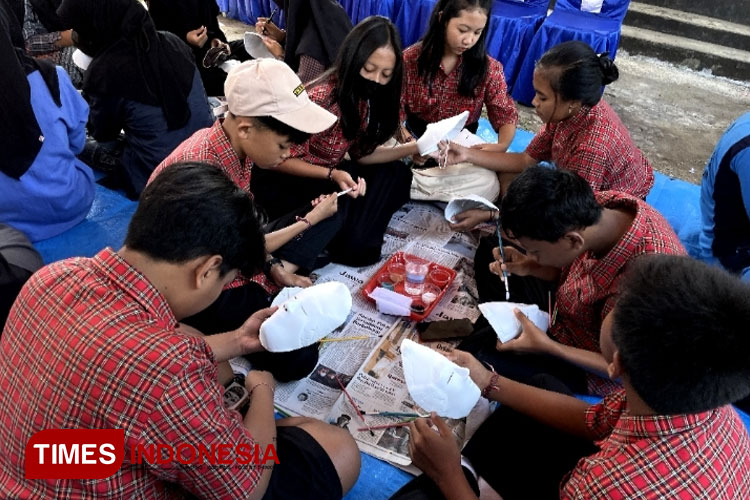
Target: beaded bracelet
493,381
330,173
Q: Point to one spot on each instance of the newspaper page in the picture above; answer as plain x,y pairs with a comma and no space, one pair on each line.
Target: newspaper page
379,385
370,368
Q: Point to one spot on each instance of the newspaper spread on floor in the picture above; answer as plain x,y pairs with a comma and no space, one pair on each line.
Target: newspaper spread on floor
371,368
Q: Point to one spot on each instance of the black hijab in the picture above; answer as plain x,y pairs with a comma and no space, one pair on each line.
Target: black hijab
131,59
315,28
46,11
20,135
181,16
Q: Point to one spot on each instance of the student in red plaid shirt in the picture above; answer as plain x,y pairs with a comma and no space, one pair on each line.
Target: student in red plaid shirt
363,89
573,249
581,132
677,339
449,71
95,343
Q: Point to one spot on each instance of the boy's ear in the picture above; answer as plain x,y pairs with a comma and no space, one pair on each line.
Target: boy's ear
205,268
575,240
244,126
614,368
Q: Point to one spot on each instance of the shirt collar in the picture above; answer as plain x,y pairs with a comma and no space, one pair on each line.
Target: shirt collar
133,283
630,428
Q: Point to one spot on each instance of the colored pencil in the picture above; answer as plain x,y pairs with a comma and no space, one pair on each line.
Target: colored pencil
393,414
341,339
354,405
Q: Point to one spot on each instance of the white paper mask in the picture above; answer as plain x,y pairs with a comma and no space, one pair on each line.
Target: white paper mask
255,47
306,317
504,321
464,203
436,383
443,130
390,302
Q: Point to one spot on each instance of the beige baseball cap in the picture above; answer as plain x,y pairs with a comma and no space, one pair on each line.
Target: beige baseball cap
267,87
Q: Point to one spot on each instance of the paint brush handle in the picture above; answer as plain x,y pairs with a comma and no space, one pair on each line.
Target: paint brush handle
345,191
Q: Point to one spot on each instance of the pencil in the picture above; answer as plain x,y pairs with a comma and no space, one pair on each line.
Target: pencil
341,339
386,426
280,411
354,405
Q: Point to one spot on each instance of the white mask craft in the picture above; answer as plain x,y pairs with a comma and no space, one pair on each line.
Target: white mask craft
436,383
503,320
305,316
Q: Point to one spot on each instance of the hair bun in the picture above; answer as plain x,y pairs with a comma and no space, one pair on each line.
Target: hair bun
610,73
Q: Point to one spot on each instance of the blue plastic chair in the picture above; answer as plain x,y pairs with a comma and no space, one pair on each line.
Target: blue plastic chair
568,22
512,27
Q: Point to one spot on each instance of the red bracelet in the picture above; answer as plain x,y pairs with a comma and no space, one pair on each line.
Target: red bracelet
491,386
303,219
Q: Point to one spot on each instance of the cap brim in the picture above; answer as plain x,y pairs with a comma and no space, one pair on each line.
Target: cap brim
311,118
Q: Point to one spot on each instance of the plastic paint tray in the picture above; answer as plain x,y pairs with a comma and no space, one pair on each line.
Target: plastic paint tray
400,257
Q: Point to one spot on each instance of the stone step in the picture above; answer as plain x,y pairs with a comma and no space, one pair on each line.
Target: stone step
735,11
689,25
696,54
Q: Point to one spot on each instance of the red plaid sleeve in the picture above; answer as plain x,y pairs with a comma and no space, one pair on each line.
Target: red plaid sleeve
329,147
540,147
191,411
501,110
602,417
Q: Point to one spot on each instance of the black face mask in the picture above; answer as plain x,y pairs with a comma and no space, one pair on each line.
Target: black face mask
367,89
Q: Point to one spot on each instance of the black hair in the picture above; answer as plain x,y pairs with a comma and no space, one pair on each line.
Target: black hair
545,203
270,123
192,210
369,35
474,61
577,73
681,327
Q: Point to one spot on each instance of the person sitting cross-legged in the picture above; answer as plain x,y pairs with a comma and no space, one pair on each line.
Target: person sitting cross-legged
677,338
95,343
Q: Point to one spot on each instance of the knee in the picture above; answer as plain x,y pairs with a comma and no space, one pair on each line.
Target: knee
340,447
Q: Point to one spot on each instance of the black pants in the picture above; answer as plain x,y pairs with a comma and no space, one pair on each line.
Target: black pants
305,249
522,458
359,241
523,289
231,310
519,457
424,488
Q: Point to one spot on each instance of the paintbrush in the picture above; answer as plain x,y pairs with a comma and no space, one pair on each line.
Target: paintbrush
354,405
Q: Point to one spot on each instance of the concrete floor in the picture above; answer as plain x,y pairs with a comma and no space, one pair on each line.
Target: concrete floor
675,115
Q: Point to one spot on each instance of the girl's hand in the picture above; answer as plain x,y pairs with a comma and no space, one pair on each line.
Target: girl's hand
267,28
197,37
323,207
273,46
345,181
531,339
469,219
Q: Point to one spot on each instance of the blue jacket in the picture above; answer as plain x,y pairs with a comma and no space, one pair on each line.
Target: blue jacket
56,192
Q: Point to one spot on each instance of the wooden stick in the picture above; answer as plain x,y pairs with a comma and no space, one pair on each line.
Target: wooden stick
386,426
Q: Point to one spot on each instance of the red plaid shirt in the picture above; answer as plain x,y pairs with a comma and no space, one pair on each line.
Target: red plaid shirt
596,145
329,147
211,145
589,286
443,100
91,344
698,456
